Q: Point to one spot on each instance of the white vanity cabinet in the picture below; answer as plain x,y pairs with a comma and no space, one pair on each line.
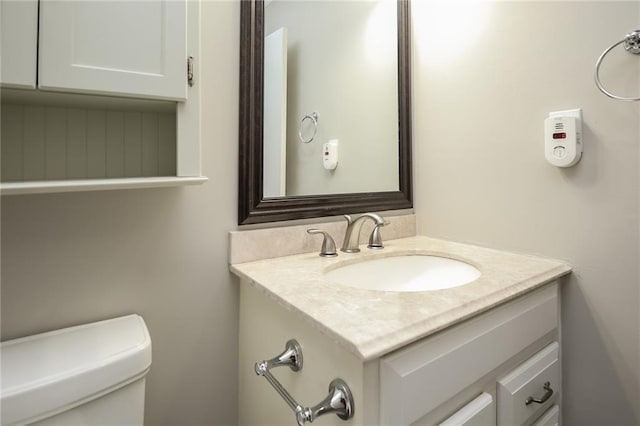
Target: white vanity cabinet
18,43
507,353
477,372
127,48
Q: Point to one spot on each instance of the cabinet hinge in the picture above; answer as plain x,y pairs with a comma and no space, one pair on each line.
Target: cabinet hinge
190,71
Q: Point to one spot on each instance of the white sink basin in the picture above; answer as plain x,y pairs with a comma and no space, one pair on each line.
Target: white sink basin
405,273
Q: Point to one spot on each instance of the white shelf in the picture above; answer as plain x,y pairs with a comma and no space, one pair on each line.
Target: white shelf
43,187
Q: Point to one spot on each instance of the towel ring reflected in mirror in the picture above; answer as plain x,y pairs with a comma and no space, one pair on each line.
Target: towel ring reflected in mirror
313,117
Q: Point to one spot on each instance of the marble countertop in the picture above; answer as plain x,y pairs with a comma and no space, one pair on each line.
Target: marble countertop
372,323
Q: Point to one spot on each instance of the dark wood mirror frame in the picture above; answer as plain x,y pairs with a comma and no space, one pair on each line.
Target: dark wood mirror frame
252,207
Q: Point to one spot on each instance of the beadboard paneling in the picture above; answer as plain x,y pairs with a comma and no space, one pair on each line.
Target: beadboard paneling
166,145
76,144
58,143
133,144
115,144
149,144
33,143
12,135
96,144
55,143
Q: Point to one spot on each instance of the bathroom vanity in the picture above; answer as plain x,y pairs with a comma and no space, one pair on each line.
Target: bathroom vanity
486,352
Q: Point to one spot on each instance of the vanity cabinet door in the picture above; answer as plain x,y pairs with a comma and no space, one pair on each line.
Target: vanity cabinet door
19,35
130,48
479,412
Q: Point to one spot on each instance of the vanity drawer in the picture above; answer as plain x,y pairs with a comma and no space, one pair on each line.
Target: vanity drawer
528,381
550,418
479,412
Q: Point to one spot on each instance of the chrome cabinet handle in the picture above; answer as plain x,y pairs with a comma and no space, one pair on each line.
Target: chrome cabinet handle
547,394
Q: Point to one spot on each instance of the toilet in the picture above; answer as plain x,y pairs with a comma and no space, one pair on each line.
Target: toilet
92,374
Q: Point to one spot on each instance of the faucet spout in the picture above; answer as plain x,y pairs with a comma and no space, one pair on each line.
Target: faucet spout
354,226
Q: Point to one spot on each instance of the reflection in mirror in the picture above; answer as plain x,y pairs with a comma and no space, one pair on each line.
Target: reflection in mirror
346,78
330,74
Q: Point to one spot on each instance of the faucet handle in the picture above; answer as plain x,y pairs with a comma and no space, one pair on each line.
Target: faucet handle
375,239
328,245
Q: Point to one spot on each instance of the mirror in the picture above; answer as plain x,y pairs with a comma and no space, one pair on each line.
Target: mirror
326,71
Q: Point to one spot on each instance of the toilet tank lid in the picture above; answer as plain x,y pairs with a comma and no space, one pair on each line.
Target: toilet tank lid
51,372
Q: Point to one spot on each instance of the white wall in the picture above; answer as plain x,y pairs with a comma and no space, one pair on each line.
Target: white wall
486,74
162,253
72,258
339,67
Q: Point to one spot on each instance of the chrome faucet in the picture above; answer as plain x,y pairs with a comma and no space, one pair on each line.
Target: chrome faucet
352,234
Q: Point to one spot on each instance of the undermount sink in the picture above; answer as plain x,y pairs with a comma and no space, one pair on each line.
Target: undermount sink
407,273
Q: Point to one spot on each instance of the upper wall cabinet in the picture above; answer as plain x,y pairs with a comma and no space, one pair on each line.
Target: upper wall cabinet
19,35
121,48
105,105
131,48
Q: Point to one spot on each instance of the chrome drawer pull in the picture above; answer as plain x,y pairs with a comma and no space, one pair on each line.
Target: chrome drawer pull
547,394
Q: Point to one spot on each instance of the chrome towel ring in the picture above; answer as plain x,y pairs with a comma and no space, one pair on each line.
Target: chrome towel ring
314,119
632,45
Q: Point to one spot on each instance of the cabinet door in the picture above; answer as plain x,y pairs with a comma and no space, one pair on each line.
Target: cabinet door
18,32
479,412
129,48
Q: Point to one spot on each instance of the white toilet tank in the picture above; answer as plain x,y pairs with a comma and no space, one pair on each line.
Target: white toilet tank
92,374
